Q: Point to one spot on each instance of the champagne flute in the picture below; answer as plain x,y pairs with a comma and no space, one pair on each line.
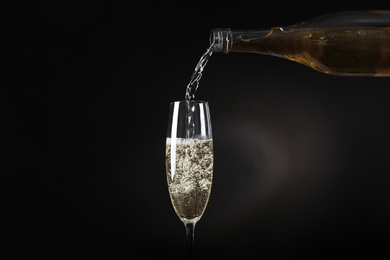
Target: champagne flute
189,162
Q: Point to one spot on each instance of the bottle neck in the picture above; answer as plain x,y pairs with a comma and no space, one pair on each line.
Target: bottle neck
221,40
225,40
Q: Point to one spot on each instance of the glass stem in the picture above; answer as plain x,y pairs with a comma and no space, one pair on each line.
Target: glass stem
190,228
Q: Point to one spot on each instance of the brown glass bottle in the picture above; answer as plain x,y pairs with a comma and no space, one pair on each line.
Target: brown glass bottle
348,43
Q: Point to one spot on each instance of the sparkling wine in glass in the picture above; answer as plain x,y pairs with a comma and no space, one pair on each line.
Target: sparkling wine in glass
189,162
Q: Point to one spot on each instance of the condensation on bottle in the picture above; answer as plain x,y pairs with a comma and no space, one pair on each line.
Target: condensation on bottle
345,43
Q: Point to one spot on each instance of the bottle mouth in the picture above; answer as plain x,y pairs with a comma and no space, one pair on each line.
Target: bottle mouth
221,40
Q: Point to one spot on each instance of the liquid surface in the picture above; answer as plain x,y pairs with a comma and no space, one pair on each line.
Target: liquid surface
189,164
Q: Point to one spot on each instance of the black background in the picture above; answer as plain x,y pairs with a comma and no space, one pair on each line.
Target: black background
301,158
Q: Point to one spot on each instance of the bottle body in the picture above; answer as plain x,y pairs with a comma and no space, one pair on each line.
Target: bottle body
344,43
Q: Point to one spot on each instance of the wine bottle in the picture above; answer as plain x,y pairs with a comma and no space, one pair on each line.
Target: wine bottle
345,43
